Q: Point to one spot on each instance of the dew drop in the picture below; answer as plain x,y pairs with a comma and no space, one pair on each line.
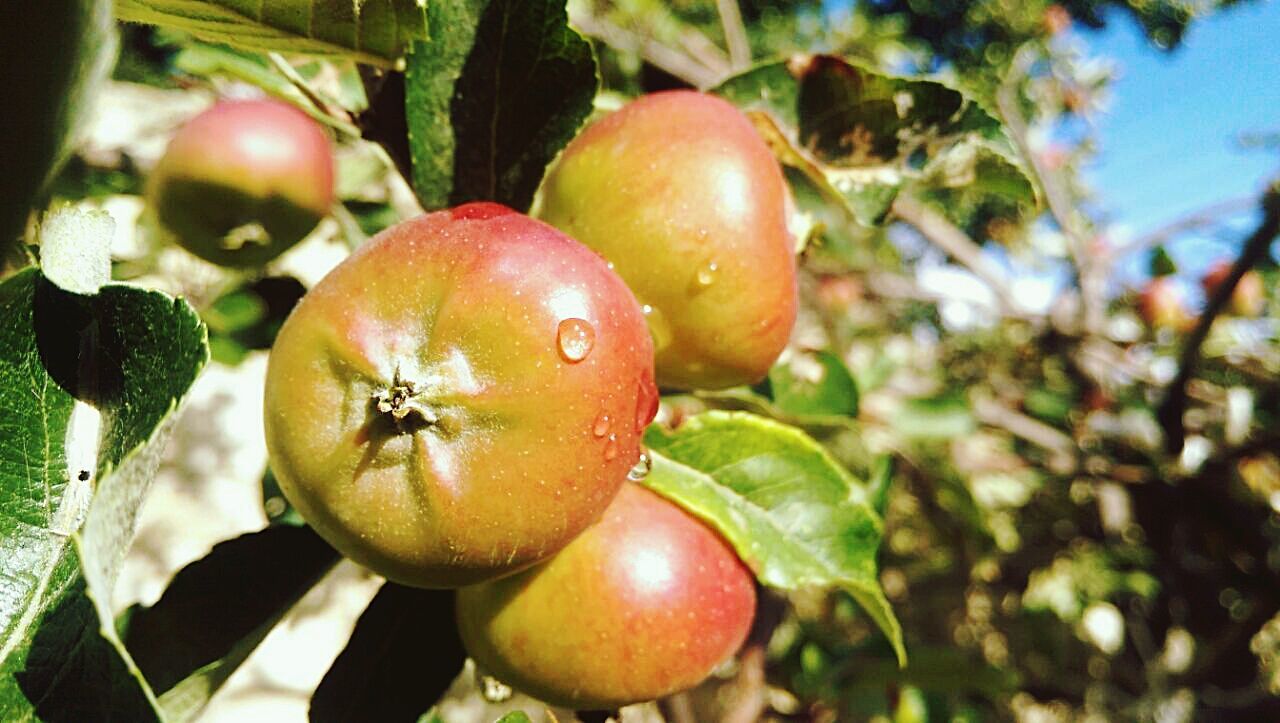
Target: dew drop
659,327
611,448
706,275
601,426
641,468
574,338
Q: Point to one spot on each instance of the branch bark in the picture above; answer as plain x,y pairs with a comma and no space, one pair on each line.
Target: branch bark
655,53
947,236
1092,283
1062,448
1203,217
735,33
1174,405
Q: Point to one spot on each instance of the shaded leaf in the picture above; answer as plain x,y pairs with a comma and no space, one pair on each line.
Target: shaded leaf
861,135
207,60
491,101
402,656
794,515
56,53
372,31
217,609
88,385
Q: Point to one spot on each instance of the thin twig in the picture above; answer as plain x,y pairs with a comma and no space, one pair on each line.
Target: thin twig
338,119
1206,216
735,33
749,700
678,708
1171,410
655,53
1061,447
950,238
1092,283
705,51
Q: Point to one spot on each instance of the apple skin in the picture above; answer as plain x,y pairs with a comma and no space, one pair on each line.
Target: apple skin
1247,299
646,603
683,196
1162,306
241,163
511,446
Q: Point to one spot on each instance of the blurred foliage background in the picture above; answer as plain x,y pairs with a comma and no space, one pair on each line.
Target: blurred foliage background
1067,537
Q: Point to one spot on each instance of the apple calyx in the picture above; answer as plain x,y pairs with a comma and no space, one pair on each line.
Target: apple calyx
402,404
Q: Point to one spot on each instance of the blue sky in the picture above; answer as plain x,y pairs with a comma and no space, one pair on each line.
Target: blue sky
1169,139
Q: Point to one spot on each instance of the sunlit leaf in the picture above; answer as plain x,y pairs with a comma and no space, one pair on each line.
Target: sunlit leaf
796,517
372,31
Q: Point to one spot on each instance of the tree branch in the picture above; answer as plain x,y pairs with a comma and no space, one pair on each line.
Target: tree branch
655,53
1062,448
947,236
1173,406
1203,217
735,33
1092,284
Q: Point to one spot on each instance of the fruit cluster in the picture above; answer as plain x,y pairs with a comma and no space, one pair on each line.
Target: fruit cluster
461,402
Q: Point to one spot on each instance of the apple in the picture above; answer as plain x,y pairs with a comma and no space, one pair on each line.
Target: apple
1161,305
680,193
242,182
460,397
1249,296
646,603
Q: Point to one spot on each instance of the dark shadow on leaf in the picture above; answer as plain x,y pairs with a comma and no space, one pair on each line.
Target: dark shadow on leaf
72,674
215,602
402,656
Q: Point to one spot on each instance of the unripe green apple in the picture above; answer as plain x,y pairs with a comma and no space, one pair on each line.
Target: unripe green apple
460,397
243,181
643,604
682,195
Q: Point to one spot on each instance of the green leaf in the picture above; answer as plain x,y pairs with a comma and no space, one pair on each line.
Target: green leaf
936,417
515,716
880,482
814,383
981,167
861,135
794,515
56,54
88,387
376,32
207,60
770,88
492,100
403,655
217,609
1161,264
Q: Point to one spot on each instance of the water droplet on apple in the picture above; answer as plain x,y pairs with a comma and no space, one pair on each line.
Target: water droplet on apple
611,448
706,275
601,426
641,468
574,338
